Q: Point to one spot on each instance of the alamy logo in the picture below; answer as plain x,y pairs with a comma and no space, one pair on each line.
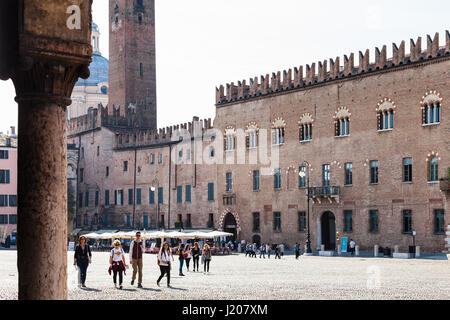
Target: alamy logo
74,21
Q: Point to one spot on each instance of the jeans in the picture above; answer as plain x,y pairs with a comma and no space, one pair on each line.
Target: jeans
262,253
187,263
206,265
120,272
164,270
181,265
82,265
196,259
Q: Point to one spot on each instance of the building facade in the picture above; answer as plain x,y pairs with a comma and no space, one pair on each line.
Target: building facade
368,143
8,186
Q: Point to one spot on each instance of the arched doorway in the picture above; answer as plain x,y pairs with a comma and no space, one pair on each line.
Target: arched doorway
328,230
230,225
256,239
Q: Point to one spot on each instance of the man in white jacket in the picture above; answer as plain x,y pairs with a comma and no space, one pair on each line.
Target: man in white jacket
137,249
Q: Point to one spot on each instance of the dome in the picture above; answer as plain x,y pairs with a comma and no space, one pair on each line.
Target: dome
99,69
94,26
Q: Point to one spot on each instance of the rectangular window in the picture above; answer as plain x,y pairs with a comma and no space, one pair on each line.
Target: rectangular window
3,219
160,195
179,194
407,221
407,170
138,196
96,198
348,221
3,154
3,200
348,174
188,154
13,201
80,200
188,221
152,158
326,175
81,174
128,221
162,223
301,221
160,160
439,221
256,180
277,221
302,177
180,155
211,191
188,193
211,221
256,222
120,197
145,222
86,199
373,221
125,166
277,179
106,197
141,70
151,196
130,196
373,172
229,181
13,219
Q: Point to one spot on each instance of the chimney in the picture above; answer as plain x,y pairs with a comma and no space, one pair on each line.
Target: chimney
13,130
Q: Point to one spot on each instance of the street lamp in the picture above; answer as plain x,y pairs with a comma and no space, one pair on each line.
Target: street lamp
308,236
157,216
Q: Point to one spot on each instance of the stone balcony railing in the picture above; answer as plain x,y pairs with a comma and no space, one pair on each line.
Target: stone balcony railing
229,199
330,193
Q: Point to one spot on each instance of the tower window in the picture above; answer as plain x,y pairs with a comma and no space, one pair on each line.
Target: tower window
140,18
141,70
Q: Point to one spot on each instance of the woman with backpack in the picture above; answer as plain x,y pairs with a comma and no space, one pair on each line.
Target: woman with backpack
117,262
164,263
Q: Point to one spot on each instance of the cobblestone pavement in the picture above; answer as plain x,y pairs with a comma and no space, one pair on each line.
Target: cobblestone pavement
237,277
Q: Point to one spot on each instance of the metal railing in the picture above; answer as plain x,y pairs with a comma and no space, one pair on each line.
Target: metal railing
324,191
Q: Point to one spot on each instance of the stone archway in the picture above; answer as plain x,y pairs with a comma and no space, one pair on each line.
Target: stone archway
229,222
326,227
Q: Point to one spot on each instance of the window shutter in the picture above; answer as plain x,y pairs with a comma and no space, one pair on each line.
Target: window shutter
301,133
337,128
247,141
7,176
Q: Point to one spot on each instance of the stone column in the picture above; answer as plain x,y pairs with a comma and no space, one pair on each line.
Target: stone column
51,58
375,250
417,251
357,251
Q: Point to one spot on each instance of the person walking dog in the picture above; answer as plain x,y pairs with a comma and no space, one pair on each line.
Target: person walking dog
137,248
82,258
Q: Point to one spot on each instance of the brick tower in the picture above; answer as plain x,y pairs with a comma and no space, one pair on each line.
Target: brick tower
132,67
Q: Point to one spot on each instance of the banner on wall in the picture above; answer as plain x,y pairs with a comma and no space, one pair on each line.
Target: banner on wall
344,242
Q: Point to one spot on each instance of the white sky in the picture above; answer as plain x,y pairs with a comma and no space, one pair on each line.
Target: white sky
201,44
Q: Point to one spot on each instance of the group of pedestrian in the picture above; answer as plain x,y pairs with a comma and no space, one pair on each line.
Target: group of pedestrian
251,250
118,265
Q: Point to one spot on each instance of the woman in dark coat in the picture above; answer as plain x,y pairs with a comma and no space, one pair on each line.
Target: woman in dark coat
82,259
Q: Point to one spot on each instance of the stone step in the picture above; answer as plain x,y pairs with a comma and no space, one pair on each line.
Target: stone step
327,253
401,255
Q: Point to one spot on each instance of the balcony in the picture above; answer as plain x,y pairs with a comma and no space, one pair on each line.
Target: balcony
229,199
444,184
321,194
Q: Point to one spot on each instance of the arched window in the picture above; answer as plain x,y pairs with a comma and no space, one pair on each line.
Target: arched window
305,127
431,108
230,138
433,169
251,135
342,122
278,129
385,114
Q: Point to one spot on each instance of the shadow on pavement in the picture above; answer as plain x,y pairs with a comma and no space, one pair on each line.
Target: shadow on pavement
180,289
91,290
150,289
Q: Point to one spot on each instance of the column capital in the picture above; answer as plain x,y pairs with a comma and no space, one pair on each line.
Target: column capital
48,68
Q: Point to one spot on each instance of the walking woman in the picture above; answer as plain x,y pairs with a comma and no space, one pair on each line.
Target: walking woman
206,258
164,256
196,252
117,262
187,255
180,254
82,259
268,249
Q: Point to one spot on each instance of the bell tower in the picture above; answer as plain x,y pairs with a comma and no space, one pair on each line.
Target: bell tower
132,61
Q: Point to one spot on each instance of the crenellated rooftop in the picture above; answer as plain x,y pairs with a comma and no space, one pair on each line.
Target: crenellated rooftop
327,71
